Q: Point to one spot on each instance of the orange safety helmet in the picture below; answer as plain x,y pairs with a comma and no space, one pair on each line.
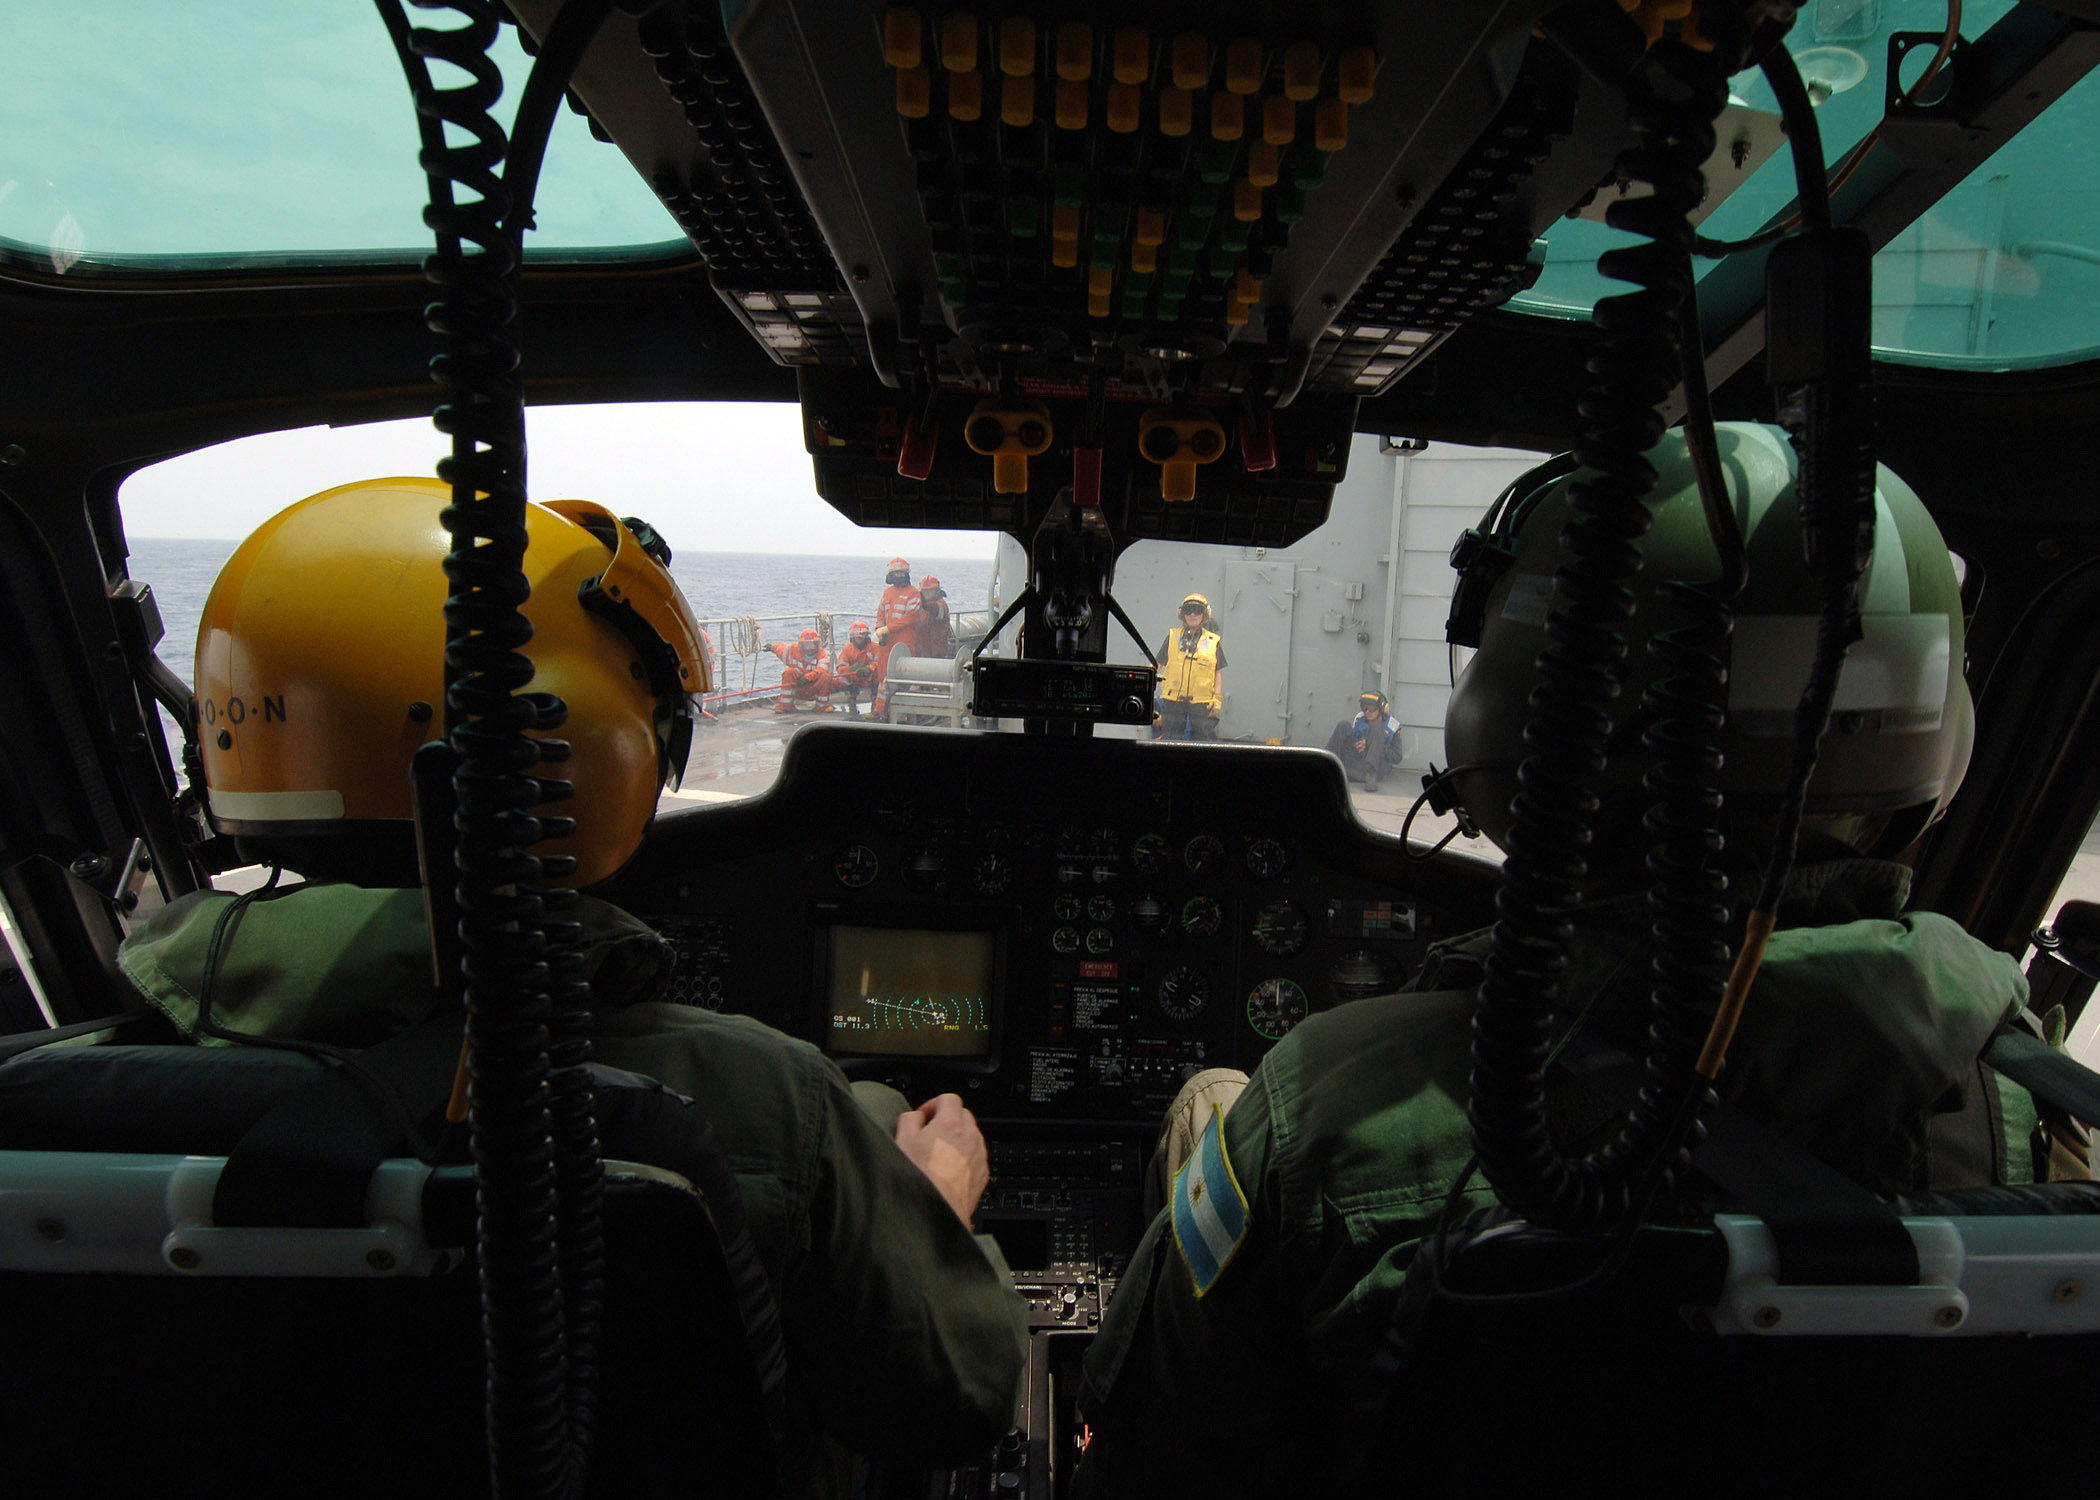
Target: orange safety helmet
930,584
320,668
899,572
859,634
810,642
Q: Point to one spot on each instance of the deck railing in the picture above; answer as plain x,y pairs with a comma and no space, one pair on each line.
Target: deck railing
745,671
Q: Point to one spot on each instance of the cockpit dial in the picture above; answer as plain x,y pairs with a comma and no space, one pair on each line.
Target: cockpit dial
994,873
1201,916
1275,1007
1266,859
1204,854
1280,928
1183,992
1151,853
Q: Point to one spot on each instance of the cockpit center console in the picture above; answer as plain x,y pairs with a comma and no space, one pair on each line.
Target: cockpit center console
1059,930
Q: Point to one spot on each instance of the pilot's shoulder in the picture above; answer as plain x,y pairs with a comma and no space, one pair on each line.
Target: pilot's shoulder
1367,1058
708,1053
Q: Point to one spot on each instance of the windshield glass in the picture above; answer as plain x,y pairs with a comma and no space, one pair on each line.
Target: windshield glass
231,133
1305,631
2003,273
758,555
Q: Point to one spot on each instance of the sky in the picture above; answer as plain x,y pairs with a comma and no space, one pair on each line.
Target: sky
711,476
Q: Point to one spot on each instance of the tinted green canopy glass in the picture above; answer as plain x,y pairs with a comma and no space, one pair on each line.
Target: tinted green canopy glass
140,134
2003,273
233,132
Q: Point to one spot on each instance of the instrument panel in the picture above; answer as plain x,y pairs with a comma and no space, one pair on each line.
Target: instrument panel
1058,929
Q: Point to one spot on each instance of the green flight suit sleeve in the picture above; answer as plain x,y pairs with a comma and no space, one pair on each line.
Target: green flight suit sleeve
907,1336
904,1339
1169,1380
1346,1142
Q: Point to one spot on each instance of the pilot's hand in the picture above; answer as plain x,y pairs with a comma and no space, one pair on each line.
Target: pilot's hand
942,1140
1360,744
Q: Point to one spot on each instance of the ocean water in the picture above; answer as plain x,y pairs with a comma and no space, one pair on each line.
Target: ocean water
785,588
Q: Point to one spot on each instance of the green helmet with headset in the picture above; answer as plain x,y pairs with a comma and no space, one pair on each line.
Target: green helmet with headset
1902,725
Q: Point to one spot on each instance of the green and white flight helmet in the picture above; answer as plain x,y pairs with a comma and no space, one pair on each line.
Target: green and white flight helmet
1902,723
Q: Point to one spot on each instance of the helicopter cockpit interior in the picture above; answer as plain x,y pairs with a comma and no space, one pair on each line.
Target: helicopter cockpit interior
1086,277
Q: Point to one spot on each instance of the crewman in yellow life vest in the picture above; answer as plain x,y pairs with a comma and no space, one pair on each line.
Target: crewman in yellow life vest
1191,676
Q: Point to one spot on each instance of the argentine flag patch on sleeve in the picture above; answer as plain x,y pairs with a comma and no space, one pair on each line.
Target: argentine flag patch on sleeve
1210,1211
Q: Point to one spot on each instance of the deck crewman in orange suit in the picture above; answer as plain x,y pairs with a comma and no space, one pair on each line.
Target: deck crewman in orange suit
935,636
854,673
805,673
896,622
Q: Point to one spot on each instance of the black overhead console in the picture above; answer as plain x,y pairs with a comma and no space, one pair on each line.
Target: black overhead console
1155,262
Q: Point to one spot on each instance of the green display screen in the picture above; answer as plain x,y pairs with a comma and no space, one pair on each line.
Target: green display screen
910,992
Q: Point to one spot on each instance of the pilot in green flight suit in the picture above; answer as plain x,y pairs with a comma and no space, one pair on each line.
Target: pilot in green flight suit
1230,1355
904,1337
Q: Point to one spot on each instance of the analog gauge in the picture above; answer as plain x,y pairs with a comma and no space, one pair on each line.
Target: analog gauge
1151,853
1205,854
1280,928
1100,940
1065,940
1105,843
1066,907
1070,872
1103,874
927,871
1275,1007
1266,859
1183,992
993,875
1101,908
856,867
1201,916
1149,912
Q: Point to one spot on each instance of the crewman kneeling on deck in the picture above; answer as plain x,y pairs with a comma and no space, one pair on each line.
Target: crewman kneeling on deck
903,1337
805,674
1234,1359
854,672
1368,745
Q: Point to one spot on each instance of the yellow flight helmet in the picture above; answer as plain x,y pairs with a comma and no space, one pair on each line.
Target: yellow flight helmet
320,666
